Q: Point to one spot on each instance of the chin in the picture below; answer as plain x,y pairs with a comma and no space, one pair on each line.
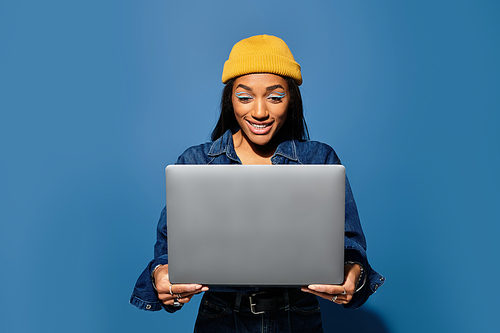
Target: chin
261,142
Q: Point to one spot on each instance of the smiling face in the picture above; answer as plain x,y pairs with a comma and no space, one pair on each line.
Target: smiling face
260,103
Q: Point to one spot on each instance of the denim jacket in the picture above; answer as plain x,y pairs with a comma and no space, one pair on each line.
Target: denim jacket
222,151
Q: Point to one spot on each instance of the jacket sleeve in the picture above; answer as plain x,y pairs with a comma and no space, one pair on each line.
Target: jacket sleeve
355,245
144,295
161,247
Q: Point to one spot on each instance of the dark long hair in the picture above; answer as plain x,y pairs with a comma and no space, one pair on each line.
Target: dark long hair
295,123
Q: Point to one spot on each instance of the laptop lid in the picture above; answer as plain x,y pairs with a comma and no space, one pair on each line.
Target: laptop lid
256,225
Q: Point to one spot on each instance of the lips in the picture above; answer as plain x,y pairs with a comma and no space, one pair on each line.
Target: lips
262,128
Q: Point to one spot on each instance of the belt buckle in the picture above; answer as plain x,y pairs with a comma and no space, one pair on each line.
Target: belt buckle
252,304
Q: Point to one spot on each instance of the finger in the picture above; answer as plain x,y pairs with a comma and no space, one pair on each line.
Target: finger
336,298
333,298
327,288
183,299
172,302
168,296
184,295
186,299
188,288
320,294
307,289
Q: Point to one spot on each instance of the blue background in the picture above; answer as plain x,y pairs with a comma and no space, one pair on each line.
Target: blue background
97,97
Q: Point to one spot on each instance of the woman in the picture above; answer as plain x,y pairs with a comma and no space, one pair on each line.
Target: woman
261,122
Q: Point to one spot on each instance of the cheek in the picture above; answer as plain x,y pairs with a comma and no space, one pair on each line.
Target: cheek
283,112
238,112
239,109
234,104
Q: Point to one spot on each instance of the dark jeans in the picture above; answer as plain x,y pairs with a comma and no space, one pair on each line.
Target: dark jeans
216,315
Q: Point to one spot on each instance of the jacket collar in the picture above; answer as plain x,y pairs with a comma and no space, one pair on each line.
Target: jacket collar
287,149
224,145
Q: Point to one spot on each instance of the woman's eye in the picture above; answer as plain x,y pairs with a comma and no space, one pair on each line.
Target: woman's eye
276,96
243,97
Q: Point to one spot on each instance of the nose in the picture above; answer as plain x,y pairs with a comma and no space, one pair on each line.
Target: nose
260,112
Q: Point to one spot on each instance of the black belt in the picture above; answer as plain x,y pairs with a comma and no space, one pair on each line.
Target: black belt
264,301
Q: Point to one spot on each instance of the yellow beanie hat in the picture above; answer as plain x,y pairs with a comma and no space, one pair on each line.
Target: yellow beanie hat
261,54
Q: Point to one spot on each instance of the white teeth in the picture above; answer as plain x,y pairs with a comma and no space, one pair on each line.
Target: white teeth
258,126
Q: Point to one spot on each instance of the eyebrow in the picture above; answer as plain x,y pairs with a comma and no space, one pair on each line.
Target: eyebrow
244,87
276,86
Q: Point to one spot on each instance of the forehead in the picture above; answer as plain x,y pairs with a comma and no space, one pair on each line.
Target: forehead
260,81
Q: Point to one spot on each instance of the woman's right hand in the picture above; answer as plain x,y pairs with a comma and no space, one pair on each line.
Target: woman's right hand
180,292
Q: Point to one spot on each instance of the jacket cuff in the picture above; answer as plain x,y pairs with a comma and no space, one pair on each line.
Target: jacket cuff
373,280
144,296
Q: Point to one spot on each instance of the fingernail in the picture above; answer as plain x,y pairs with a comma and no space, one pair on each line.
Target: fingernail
312,287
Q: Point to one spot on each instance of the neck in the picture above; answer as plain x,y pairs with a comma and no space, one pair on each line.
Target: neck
250,153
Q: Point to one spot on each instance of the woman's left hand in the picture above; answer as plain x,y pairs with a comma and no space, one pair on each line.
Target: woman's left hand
340,294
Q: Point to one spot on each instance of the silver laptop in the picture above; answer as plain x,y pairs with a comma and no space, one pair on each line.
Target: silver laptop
256,225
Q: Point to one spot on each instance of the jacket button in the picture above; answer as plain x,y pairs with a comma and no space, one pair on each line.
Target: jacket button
148,306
